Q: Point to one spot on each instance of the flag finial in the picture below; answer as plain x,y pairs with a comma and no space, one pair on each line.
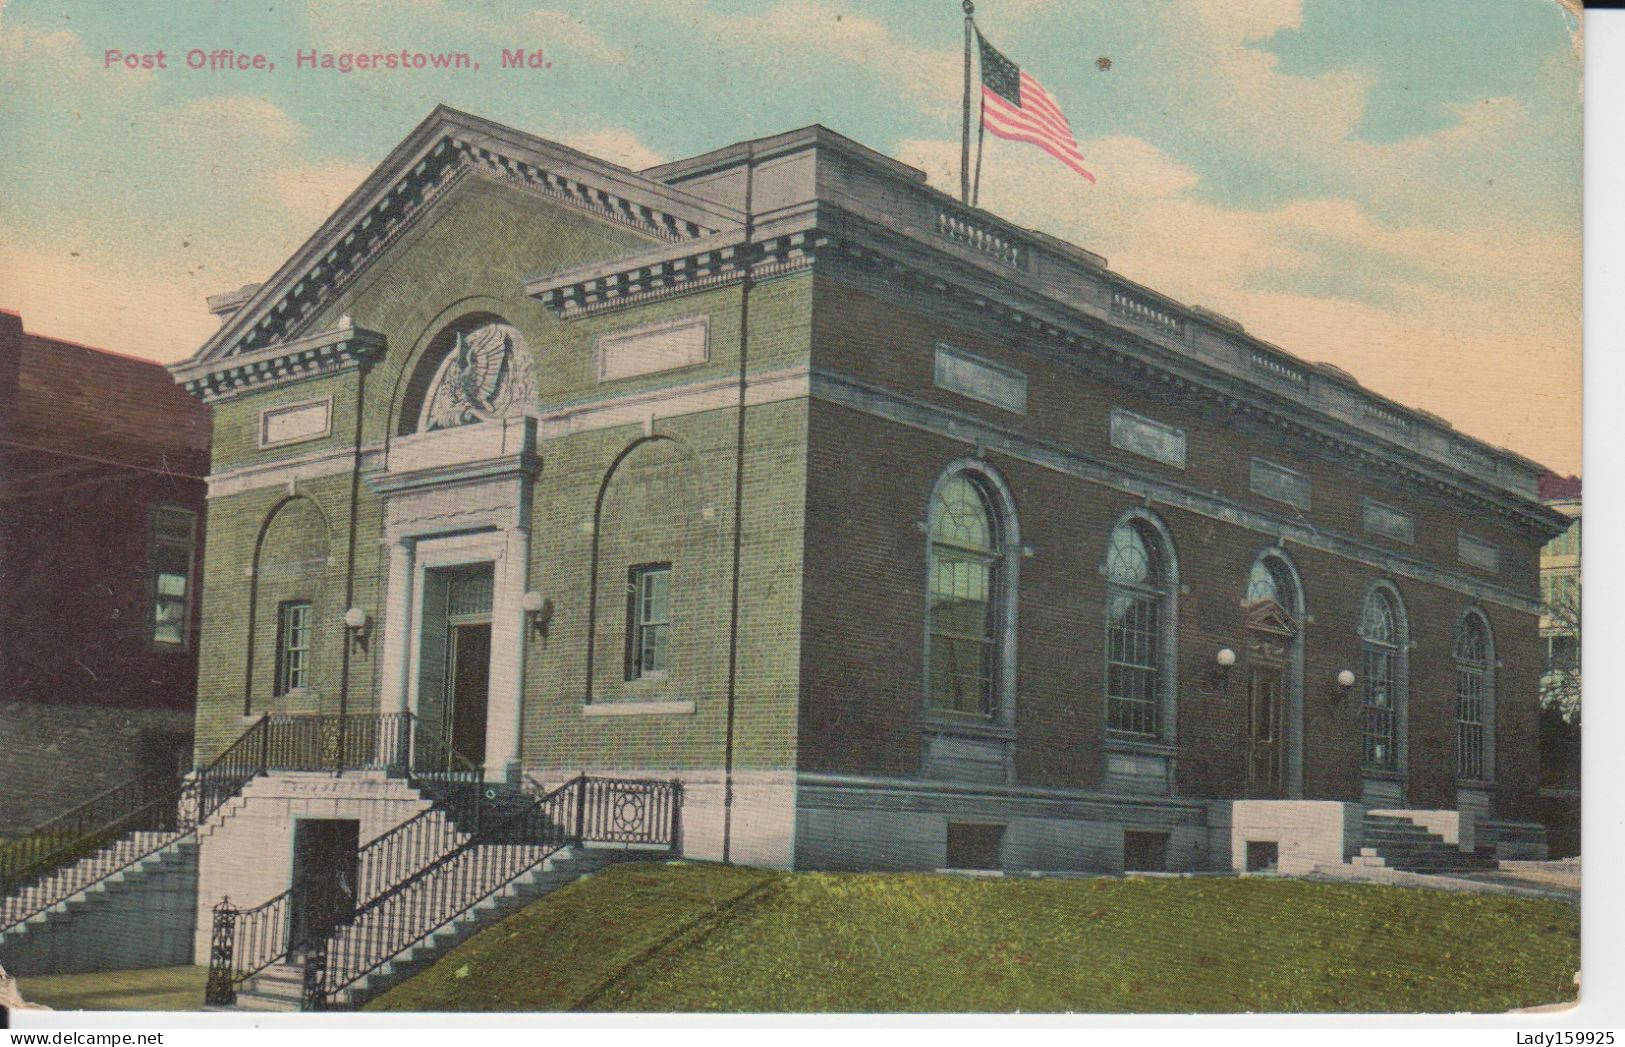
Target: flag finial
969,7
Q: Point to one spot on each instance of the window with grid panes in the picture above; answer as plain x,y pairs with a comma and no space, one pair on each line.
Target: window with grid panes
964,578
648,594
1380,640
1136,590
292,646
174,535
1472,668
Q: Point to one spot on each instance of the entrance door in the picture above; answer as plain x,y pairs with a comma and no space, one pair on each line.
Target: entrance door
468,687
1264,731
325,866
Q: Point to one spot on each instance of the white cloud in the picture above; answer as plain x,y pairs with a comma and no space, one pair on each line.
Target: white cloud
617,145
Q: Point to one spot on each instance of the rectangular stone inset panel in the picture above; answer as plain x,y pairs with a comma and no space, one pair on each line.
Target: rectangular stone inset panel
294,423
1386,520
653,347
959,372
1478,553
1280,483
1148,437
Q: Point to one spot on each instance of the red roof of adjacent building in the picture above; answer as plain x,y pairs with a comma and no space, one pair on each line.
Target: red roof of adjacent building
57,395
1554,488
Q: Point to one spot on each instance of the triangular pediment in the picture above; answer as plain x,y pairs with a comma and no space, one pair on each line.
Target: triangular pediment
1269,616
445,148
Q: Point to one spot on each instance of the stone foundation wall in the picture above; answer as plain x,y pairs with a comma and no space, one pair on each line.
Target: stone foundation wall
56,757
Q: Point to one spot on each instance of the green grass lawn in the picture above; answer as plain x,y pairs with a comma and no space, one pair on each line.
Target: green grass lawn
157,989
696,937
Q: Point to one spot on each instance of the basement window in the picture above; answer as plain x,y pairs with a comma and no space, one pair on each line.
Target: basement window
1263,855
1145,851
974,846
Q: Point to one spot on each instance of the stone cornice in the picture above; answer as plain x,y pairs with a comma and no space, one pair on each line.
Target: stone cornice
1115,343
345,347
702,265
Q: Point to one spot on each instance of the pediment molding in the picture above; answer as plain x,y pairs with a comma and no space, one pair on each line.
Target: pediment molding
444,149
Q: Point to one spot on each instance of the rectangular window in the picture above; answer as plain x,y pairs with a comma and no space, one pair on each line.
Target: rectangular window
1386,520
1470,721
648,619
1378,714
1280,483
172,551
1133,651
1144,851
292,646
973,846
1478,553
962,625
959,372
1144,436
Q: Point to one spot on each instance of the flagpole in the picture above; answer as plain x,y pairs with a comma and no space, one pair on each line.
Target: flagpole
981,133
964,129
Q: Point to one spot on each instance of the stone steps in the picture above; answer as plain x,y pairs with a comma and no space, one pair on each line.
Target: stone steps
1399,843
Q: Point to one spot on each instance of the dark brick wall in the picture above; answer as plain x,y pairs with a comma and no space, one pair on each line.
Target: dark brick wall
102,747
90,442
869,481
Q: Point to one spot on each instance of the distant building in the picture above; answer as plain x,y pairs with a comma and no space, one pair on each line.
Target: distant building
1560,597
102,462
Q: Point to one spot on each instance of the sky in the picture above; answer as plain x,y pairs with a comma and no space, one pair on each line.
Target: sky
1390,187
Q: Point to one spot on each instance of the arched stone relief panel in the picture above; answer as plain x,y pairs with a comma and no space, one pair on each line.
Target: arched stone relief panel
476,369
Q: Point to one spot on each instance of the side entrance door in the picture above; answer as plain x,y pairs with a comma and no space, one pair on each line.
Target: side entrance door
468,686
1264,731
325,867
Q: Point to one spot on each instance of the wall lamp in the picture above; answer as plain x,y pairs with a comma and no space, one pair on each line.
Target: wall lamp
1218,678
1345,681
359,626
538,612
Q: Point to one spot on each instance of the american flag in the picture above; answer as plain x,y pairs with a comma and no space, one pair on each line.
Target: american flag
1015,106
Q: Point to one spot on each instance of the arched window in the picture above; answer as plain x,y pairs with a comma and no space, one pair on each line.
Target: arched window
1139,581
1474,698
1383,640
967,581
1265,582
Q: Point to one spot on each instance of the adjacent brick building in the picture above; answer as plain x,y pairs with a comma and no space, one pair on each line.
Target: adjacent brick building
102,465
902,535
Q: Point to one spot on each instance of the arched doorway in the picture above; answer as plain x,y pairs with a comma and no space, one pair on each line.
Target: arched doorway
1272,612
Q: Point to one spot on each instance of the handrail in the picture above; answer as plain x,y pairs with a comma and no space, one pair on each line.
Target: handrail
628,811
142,803
247,941
175,808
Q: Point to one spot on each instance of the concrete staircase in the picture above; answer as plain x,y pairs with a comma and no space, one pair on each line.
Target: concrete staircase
1394,842
280,987
71,880
126,906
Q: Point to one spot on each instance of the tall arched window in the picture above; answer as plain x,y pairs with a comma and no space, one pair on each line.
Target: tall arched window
967,581
1474,692
1139,583
1382,635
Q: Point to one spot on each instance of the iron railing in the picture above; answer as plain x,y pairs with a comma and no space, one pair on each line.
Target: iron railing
247,941
166,806
391,742
632,812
